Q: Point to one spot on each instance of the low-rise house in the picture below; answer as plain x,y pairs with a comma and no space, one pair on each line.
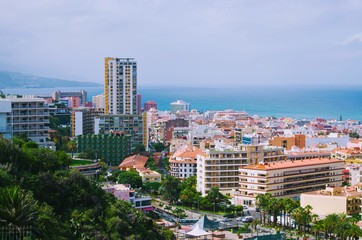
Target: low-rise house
126,193
133,162
333,200
90,170
148,175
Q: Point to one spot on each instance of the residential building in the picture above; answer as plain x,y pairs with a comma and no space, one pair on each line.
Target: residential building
139,103
305,154
113,147
90,170
133,161
176,143
333,200
288,142
99,101
220,167
179,105
126,193
5,111
120,86
121,108
83,121
183,161
133,125
29,117
340,140
57,95
148,105
287,178
347,153
148,175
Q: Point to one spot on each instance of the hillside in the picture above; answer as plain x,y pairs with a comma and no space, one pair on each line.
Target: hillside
20,80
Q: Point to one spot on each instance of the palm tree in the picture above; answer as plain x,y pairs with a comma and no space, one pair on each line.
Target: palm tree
170,188
318,227
262,202
71,146
330,223
290,205
216,197
16,207
354,232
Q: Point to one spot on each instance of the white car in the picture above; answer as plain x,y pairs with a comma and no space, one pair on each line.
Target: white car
225,219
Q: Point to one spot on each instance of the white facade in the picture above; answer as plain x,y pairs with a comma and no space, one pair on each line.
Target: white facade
121,86
5,110
340,141
29,116
99,101
179,105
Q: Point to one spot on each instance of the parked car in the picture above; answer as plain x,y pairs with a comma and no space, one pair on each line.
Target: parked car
245,207
225,219
239,219
247,219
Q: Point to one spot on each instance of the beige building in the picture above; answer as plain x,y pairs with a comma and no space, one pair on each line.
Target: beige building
287,178
220,167
175,143
333,200
347,153
148,175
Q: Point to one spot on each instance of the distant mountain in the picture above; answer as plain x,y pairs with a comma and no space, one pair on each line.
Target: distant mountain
20,80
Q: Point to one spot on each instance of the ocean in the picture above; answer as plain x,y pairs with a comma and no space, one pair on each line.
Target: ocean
299,102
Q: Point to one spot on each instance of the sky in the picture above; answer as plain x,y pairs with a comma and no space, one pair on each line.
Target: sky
187,43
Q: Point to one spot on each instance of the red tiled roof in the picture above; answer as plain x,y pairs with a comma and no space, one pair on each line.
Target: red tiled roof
135,160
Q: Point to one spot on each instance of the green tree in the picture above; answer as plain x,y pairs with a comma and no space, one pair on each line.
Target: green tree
16,207
216,197
159,147
72,145
138,148
170,189
28,145
131,177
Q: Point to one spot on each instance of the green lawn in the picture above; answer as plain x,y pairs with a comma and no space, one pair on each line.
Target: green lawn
81,162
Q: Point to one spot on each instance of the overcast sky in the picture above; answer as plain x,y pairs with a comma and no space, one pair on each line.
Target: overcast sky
187,43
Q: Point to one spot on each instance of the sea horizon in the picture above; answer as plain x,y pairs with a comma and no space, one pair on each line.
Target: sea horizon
293,101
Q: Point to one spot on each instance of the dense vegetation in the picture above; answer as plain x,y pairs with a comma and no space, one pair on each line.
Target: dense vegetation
290,213
175,191
37,189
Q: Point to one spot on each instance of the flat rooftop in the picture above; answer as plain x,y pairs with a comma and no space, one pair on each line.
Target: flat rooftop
292,164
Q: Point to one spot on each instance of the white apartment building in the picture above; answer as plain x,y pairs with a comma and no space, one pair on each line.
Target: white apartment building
219,167
183,161
29,116
99,101
287,178
179,105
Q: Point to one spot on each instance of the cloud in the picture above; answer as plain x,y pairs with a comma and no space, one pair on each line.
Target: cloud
355,38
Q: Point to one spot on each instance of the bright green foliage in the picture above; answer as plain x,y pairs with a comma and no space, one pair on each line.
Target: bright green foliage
152,187
216,197
130,177
37,189
30,145
170,189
